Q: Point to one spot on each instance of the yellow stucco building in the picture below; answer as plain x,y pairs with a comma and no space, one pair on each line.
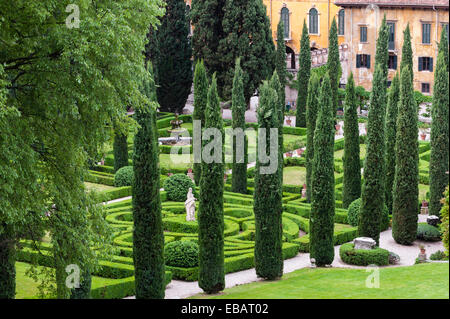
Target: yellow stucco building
426,18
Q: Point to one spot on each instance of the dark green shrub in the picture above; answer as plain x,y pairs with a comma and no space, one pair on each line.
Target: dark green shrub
182,253
124,176
177,187
428,232
363,257
353,215
439,255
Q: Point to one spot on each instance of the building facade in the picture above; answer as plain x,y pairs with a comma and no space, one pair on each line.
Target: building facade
426,18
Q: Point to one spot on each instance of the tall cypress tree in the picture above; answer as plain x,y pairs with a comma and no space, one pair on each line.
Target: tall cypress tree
352,165
372,203
407,55
249,36
239,176
172,58
276,85
321,222
391,133
439,136
334,64
303,75
281,65
443,46
267,196
406,183
382,53
200,100
210,212
148,236
311,117
120,149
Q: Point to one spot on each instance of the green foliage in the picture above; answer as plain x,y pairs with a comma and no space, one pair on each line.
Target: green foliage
303,77
280,64
311,117
390,135
439,255
177,187
200,100
354,214
382,53
373,187
334,64
439,157
7,263
407,55
171,54
210,212
322,181
406,188
239,177
428,232
120,148
352,165
420,98
444,219
181,253
363,257
242,18
148,236
124,176
443,46
267,196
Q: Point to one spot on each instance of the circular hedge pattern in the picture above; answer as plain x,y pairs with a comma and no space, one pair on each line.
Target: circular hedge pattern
363,257
181,253
353,215
124,176
428,232
177,187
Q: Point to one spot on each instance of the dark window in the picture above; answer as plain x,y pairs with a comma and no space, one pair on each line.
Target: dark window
425,87
425,63
341,24
391,44
363,34
313,21
426,33
363,61
392,62
285,19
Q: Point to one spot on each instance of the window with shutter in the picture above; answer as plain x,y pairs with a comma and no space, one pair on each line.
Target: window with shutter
341,24
392,62
420,64
358,60
285,19
363,34
368,61
313,21
426,33
391,44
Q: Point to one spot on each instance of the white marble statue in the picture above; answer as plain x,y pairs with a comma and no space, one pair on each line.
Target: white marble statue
189,204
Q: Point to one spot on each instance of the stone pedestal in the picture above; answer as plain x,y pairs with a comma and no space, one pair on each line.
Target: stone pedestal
424,210
364,243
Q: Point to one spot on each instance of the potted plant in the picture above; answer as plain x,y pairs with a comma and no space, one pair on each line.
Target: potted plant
422,249
424,203
290,113
289,154
423,136
300,151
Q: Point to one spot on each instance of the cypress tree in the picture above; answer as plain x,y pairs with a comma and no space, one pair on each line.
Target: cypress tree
303,75
239,176
249,36
267,196
352,165
439,136
7,262
276,85
210,211
334,64
281,65
407,55
120,149
443,46
200,100
372,198
406,184
148,236
172,58
391,132
321,222
382,53
311,117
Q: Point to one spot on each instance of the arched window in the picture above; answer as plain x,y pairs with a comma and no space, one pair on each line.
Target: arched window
285,19
341,24
313,21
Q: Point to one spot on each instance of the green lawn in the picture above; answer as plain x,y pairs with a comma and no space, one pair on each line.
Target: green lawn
294,175
362,152
97,187
424,281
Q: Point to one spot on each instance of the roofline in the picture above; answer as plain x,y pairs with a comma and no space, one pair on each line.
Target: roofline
387,5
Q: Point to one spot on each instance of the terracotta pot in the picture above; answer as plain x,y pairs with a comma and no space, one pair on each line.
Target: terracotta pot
422,250
424,203
289,121
299,152
337,127
423,136
289,154
189,170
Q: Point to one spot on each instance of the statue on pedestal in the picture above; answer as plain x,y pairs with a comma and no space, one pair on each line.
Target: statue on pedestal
189,204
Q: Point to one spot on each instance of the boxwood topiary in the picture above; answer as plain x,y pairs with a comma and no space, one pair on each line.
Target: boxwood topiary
353,215
428,232
177,187
363,257
181,253
124,176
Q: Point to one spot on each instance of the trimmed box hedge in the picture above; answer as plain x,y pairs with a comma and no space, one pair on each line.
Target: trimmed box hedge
363,257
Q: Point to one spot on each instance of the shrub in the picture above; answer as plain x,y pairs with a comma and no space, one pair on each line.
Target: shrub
181,253
393,258
177,187
428,232
363,257
353,215
124,176
439,255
